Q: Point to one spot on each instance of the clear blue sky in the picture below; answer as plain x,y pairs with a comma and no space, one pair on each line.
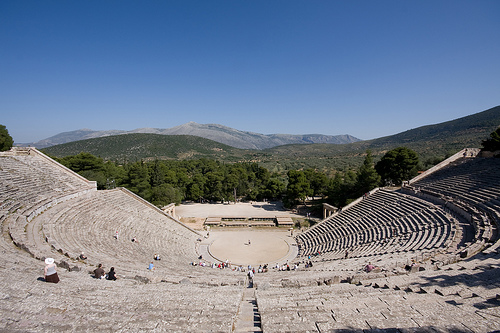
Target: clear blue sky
365,68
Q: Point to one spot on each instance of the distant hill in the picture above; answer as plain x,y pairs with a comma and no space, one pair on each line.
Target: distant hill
430,142
219,133
137,146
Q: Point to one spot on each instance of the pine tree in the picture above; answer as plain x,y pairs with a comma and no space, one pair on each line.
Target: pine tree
6,141
368,178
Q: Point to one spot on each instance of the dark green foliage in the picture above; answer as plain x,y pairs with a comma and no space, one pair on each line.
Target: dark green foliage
6,140
163,182
342,188
298,186
138,179
83,162
274,189
87,165
318,181
397,165
493,143
367,178
165,194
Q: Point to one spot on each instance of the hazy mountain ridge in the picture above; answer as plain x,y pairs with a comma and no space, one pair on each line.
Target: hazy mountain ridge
219,133
430,142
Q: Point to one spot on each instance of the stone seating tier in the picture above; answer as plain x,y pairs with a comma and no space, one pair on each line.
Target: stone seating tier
91,223
447,296
387,215
445,299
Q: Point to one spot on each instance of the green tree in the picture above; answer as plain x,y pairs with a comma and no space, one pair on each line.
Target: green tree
196,189
398,165
348,189
156,173
215,186
88,166
318,181
367,178
83,162
165,194
342,188
493,143
334,190
138,179
6,141
115,174
274,189
194,192
298,187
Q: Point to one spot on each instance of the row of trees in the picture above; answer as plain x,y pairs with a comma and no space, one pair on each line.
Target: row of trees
396,166
164,181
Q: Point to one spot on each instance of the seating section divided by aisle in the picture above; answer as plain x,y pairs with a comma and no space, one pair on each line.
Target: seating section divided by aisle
383,222
48,210
471,188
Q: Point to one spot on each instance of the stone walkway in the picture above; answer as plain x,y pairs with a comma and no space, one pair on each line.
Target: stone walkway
248,319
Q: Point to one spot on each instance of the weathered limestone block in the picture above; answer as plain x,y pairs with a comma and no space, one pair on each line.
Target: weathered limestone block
142,279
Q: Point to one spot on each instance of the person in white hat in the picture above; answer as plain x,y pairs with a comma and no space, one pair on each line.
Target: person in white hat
50,271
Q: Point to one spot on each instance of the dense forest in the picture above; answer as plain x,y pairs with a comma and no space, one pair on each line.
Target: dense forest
165,181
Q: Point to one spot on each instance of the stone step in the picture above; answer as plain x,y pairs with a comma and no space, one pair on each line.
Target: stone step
248,319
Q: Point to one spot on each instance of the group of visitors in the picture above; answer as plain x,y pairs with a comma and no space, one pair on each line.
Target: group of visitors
100,274
317,253
263,268
50,272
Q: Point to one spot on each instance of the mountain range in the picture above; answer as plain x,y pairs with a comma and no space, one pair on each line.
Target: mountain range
432,143
218,133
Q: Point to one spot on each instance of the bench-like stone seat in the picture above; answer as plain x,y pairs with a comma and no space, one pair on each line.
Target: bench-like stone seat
351,230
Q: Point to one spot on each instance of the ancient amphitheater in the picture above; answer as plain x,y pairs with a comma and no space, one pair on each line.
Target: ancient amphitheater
446,220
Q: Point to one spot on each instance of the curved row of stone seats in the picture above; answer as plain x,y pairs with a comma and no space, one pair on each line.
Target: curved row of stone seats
76,220
30,183
471,187
10,253
384,222
30,178
89,224
425,240
463,293
78,303
462,298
